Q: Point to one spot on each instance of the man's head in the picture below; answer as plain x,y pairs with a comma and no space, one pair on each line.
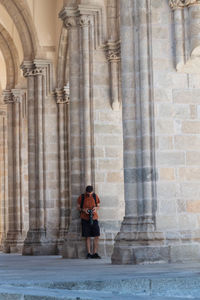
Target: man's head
89,189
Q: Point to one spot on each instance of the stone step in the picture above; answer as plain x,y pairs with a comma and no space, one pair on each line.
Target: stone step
158,286
32,293
135,288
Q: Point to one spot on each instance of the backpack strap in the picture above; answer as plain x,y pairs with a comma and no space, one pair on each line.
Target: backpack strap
82,200
95,199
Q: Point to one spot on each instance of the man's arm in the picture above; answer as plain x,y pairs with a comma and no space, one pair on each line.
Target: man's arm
96,208
85,210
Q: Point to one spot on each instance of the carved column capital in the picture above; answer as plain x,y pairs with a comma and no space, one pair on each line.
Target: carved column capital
175,4
70,22
62,95
85,15
7,96
84,20
17,95
113,51
27,68
69,17
13,96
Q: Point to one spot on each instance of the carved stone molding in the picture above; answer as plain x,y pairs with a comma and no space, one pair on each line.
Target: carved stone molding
84,15
39,68
7,96
18,95
84,20
112,51
70,22
13,96
62,95
175,4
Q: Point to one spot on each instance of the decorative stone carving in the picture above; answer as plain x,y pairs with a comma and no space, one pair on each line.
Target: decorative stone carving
13,96
113,51
84,20
70,22
18,95
62,95
7,96
175,4
83,15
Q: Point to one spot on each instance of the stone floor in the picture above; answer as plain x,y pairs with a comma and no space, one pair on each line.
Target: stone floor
51,277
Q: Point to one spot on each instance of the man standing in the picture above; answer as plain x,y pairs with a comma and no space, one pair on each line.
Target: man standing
88,205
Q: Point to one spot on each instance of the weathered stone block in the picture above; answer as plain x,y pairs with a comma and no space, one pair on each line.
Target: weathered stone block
171,158
167,174
193,206
181,253
187,142
191,127
189,174
186,96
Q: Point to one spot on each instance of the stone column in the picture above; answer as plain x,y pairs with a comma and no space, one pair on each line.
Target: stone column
3,175
15,237
138,240
79,23
38,73
186,16
62,99
86,90
71,248
194,27
178,15
113,57
112,49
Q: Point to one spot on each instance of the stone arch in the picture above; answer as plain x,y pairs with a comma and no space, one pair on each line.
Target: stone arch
11,57
20,14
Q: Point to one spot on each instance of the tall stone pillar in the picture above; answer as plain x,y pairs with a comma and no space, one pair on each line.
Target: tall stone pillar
62,100
3,175
79,21
86,58
37,242
15,234
138,241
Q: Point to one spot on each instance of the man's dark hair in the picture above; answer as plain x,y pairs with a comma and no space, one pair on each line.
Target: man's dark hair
89,189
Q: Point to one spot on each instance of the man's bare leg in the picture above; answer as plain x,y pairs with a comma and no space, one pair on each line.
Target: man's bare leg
96,243
88,244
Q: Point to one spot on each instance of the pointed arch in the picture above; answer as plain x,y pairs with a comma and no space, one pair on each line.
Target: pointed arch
11,57
21,16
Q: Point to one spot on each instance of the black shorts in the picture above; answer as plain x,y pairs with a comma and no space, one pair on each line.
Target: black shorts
90,230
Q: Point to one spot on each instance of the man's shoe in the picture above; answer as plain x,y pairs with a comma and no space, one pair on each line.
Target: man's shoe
96,255
89,256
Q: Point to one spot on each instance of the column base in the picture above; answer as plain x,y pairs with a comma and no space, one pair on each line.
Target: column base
37,243
153,247
61,240
75,245
13,243
140,248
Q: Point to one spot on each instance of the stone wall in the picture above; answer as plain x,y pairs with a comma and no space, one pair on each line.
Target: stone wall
177,140
119,109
